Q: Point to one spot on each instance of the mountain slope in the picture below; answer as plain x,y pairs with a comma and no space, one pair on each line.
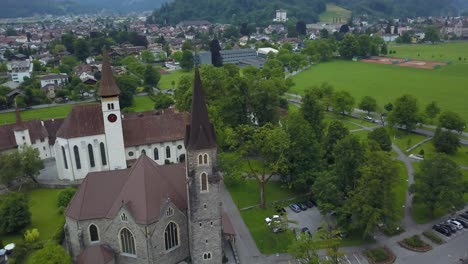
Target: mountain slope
123,5
24,8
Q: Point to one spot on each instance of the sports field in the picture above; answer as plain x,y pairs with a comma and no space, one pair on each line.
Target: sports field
447,86
439,52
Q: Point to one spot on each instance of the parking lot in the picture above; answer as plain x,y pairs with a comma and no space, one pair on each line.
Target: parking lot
352,258
311,218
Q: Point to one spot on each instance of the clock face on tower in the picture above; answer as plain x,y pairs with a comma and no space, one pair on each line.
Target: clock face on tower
112,118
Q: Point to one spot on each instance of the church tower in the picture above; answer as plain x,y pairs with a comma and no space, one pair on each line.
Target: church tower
21,132
204,200
109,93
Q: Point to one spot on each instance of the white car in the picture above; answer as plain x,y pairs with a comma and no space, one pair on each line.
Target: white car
456,224
268,220
368,118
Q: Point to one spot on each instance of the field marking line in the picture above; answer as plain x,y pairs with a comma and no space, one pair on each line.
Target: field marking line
347,259
356,258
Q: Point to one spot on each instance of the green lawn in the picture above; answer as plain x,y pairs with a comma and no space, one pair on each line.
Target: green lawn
439,52
44,212
248,193
44,113
267,241
335,12
142,103
387,82
465,176
166,79
461,157
362,135
405,140
400,187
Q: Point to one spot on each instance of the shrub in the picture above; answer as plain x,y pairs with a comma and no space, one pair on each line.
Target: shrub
51,253
14,213
59,234
414,241
433,237
65,196
377,254
31,235
421,152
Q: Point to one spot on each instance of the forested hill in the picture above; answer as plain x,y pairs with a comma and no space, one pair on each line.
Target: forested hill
27,8
401,8
260,12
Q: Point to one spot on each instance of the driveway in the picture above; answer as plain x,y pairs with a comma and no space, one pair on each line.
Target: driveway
311,218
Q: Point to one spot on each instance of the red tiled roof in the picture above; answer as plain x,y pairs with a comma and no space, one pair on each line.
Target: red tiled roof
52,126
7,135
84,120
96,254
143,189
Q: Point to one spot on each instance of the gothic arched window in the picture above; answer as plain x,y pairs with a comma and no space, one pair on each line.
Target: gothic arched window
143,152
168,152
93,233
204,182
156,154
103,154
91,156
64,158
205,159
77,157
127,242
171,236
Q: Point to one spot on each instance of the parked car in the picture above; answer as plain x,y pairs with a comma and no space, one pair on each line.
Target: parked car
441,230
306,230
302,206
309,203
452,228
462,221
457,224
295,208
313,202
446,228
464,215
368,118
268,220
280,210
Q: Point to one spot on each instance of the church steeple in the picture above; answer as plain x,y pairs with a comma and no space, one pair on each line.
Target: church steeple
200,133
107,87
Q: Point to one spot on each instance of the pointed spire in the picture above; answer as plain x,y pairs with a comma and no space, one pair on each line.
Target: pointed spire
107,87
200,133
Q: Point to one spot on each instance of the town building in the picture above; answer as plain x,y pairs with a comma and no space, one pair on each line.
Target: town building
240,57
18,70
281,16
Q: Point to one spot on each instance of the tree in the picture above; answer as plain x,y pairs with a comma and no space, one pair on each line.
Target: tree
188,45
51,253
364,45
452,121
31,235
439,184
183,93
335,132
81,49
19,165
372,201
9,164
128,85
65,196
349,47
381,137
268,144
344,29
324,33
31,163
405,113
368,104
152,76
215,49
229,164
388,107
305,250
445,141
147,56
343,102
432,110
313,111
14,213
186,63
384,49
328,195
301,28
162,101
177,56
431,34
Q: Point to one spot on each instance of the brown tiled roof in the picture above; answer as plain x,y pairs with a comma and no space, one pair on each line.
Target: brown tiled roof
200,133
96,254
52,126
84,120
7,135
148,128
143,189
228,228
107,86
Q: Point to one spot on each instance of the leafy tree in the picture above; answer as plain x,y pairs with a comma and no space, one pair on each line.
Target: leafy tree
381,137
177,56
373,201
65,196
405,112
452,121
431,34
324,33
301,28
432,110
328,195
19,165
264,101
331,241
312,110
152,76
388,107
215,49
14,213
147,56
364,45
31,235
188,45
51,253
406,37
162,101
81,49
9,164
68,41
343,102
368,104
186,63
128,85
384,49
439,184
344,29
305,250
31,163
303,155
349,47
336,131
445,141
183,93
229,165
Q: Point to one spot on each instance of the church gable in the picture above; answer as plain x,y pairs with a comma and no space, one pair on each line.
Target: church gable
83,120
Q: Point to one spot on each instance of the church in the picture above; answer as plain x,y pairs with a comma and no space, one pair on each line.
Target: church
150,212
98,137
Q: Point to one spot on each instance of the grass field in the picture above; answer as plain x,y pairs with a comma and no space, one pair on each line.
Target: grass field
400,187
335,12
446,86
461,157
166,79
439,52
44,215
